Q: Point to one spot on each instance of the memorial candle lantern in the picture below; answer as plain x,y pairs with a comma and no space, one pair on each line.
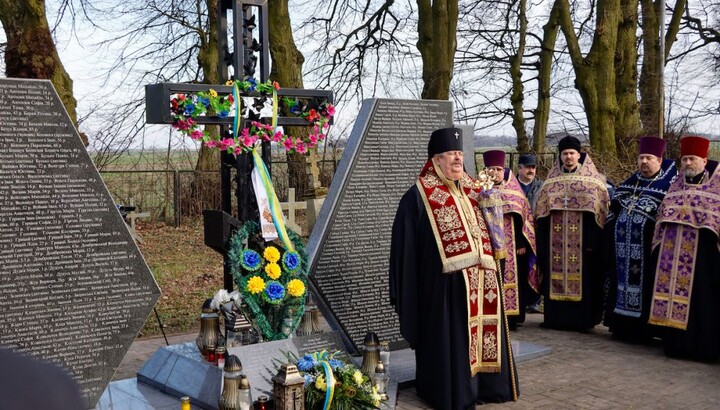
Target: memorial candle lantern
230,396
209,329
381,380
288,388
245,399
371,355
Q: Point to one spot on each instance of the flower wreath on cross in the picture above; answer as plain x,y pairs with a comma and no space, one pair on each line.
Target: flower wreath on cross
271,278
186,108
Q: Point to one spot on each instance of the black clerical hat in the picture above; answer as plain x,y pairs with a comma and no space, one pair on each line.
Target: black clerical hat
445,139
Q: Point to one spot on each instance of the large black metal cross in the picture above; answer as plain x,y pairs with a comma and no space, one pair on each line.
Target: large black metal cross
249,18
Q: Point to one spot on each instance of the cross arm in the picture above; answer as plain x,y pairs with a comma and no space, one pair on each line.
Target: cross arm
157,102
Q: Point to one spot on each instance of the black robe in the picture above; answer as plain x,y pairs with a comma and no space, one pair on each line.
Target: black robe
586,313
432,308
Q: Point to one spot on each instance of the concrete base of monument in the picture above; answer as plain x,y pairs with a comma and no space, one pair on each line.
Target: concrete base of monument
402,363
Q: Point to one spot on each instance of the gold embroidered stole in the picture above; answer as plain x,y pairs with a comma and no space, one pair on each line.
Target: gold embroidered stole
566,255
464,245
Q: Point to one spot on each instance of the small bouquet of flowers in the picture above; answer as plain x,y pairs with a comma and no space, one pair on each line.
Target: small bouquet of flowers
331,383
491,207
271,280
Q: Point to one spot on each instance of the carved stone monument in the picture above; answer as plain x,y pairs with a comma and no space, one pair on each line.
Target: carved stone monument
75,288
349,247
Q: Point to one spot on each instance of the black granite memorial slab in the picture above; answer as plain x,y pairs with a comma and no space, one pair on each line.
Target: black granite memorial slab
349,247
75,288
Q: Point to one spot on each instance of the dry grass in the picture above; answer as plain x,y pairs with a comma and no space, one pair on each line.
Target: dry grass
187,271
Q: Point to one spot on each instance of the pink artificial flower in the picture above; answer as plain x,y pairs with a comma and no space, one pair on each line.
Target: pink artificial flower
181,125
330,110
197,134
326,125
313,139
300,146
225,143
248,140
288,144
211,143
277,137
316,129
237,150
191,122
244,133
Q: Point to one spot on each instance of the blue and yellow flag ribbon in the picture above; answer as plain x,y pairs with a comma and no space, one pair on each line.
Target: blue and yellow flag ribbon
274,204
322,359
238,107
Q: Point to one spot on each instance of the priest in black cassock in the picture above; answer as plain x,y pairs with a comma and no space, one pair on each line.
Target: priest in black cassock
629,231
445,286
570,214
686,301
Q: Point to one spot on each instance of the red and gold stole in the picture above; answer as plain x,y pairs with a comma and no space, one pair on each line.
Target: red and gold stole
464,245
564,197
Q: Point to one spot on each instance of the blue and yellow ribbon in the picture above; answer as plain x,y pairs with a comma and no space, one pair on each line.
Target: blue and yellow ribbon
238,107
322,359
275,209
275,111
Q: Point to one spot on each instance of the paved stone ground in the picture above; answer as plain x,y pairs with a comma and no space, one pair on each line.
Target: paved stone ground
585,371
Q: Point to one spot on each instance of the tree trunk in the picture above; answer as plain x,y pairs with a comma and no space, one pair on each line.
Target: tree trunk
650,73
627,121
209,61
595,73
287,71
516,98
437,41
31,52
542,111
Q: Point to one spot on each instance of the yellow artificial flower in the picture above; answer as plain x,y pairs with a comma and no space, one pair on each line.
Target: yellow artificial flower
296,287
256,285
271,254
375,396
357,376
273,270
229,82
320,383
213,93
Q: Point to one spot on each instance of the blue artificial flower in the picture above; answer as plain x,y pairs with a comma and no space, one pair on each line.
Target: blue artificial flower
205,101
223,114
291,261
251,260
274,291
335,364
304,365
309,379
253,84
189,108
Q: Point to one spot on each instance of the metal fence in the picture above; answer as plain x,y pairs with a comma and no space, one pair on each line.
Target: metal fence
171,195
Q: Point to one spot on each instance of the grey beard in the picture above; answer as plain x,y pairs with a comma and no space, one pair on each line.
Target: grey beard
691,173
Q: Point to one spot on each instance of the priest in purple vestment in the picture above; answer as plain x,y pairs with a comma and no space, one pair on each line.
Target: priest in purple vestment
519,270
571,210
685,300
628,232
